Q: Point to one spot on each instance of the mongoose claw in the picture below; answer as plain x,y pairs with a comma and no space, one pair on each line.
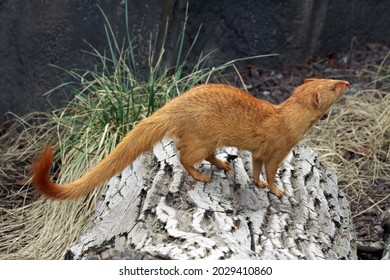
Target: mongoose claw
226,166
279,193
261,184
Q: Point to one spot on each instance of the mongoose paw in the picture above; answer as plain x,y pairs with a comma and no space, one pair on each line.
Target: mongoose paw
226,166
202,178
279,193
261,184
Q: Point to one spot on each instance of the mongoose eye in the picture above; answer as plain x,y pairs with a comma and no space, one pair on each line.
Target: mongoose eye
333,88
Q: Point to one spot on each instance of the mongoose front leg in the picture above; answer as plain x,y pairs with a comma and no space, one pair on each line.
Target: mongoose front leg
270,170
222,164
257,164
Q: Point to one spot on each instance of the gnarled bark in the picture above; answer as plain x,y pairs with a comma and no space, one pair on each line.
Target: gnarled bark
386,231
154,208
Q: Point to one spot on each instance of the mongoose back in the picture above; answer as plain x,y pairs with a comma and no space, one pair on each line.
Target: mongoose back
202,120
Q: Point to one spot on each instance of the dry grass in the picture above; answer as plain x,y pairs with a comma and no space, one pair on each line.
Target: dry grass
30,226
355,140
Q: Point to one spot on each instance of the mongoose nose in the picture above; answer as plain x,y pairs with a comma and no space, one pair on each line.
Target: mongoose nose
347,84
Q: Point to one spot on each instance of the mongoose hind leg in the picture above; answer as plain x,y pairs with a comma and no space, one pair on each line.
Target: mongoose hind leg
196,174
189,158
222,164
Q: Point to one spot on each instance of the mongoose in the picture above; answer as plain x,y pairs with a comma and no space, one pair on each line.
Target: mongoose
204,119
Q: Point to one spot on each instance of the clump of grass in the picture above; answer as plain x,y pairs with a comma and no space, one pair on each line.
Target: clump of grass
108,102
383,73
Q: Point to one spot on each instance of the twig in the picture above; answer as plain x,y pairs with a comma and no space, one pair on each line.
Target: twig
372,206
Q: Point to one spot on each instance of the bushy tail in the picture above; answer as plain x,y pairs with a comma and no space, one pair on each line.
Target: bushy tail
139,140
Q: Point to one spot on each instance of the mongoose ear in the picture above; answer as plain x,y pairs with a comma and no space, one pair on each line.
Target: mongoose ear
310,80
317,99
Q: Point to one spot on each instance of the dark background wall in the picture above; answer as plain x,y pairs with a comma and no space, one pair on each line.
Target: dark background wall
37,33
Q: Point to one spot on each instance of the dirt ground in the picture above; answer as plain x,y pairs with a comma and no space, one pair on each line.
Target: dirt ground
358,66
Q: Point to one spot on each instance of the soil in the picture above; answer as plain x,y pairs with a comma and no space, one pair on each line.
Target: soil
358,66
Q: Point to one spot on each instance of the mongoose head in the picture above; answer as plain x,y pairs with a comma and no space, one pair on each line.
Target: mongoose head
320,94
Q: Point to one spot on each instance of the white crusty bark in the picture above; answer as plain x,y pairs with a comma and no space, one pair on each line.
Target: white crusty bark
386,231
155,208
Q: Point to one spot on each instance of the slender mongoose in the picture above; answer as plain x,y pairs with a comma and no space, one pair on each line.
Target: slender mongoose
204,119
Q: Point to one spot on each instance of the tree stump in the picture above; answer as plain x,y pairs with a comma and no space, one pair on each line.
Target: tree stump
386,234
154,209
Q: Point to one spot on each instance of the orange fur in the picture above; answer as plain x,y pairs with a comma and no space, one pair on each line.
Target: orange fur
203,120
